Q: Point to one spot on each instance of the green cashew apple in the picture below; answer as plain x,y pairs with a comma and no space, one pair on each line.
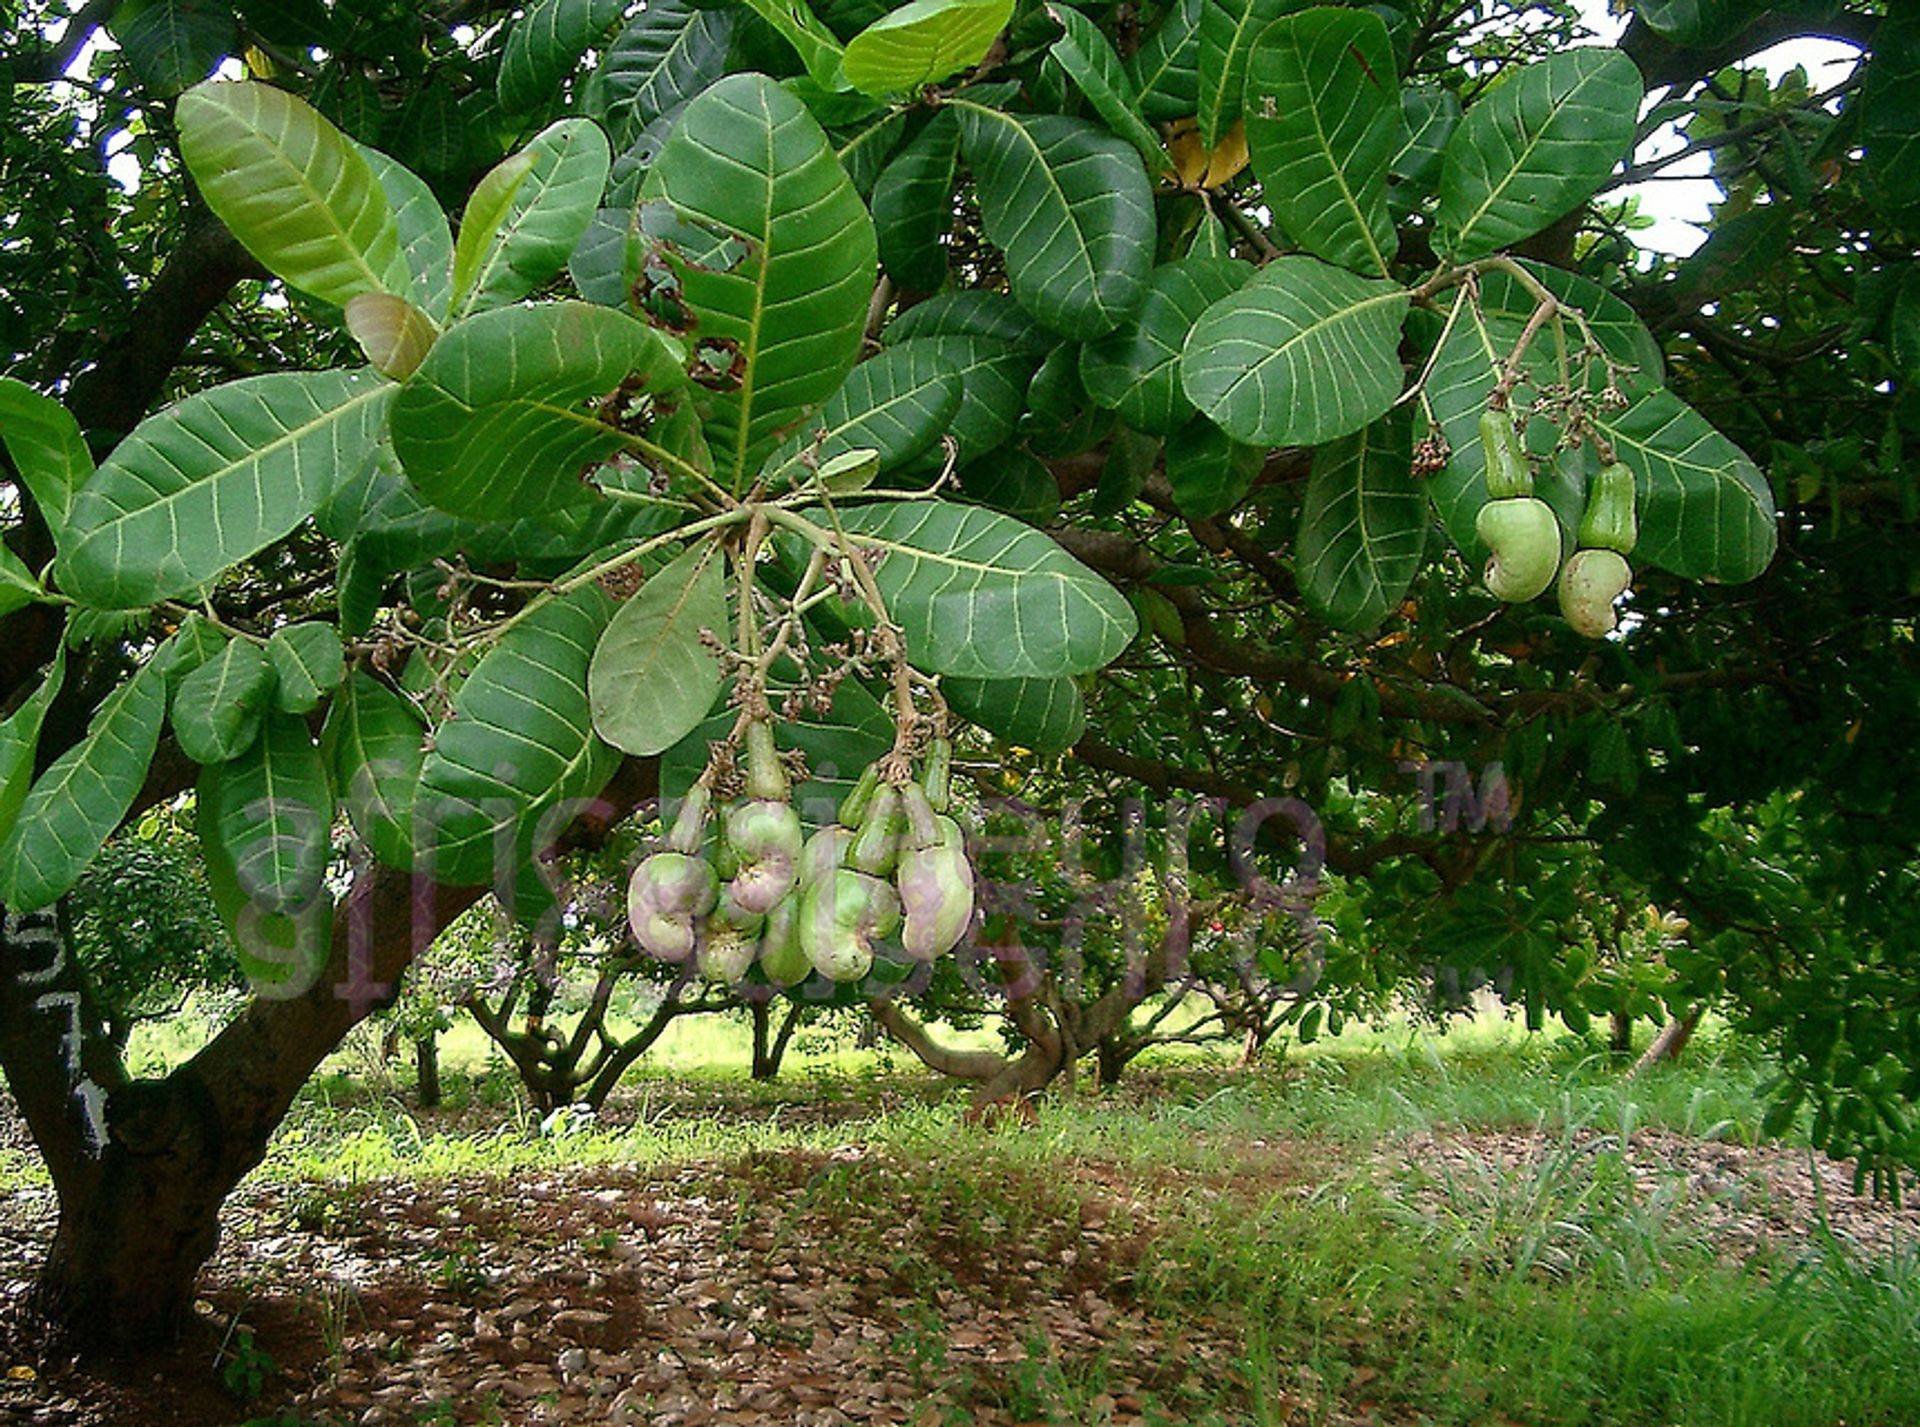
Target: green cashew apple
782,959
825,852
1591,582
1524,537
841,918
767,839
669,892
935,881
729,941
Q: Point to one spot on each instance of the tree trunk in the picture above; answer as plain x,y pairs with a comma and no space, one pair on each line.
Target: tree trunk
1111,1057
426,1059
1621,1041
769,1045
1671,1041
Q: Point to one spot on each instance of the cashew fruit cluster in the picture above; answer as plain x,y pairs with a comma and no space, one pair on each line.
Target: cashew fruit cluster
889,878
1522,534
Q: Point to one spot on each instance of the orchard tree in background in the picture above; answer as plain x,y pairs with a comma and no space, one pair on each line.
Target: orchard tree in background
812,423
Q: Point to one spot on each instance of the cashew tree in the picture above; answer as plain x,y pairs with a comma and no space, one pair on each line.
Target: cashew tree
798,419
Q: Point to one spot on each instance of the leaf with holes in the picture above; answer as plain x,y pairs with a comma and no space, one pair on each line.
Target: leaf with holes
495,424
217,707
653,678
1136,369
76,804
545,44
983,596
375,743
897,403
203,485
1535,146
1070,207
1302,354
527,215
297,193
1045,715
749,161
923,43
1323,124
1363,525
510,765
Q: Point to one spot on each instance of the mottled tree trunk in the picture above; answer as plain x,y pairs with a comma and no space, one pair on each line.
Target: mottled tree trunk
426,1060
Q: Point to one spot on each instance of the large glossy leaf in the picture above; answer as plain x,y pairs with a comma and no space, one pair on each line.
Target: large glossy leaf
1166,67
76,804
1428,116
272,814
281,953
494,423
1470,361
1088,58
426,242
818,47
217,708
1698,22
1046,715
1323,124
545,44
993,386
898,403
749,161
296,192
375,742
666,55
963,312
46,447
173,43
923,43
1534,147
20,741
1302,354
1070,207
1228,29
913,206
1706,511
865,151
526,216
518,749
1136,369
983,596
1890,112
308,664
1363,526
653,678
1208,471
205,484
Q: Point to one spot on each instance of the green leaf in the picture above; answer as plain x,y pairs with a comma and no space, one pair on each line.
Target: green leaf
1209,472
923,43
1093,65
897,403
494,423
309,663
983,596
666,55
1014,480
375,743
993,392
518,753
747,160
1045,715
818,47
217,708
913,206
1535,146
1470,360
1228,29
271,812
1070,207
174,43
20,741
1905,334
297,193
1302,354
212,481
1166,67
426,242
1323,124
545,44
1697,22
527,215
281,955
866,151
1136,370
961,312
46,447
1890,113
393,335
1363,525
653,679
76,804
18,587
1706,511
1428,117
